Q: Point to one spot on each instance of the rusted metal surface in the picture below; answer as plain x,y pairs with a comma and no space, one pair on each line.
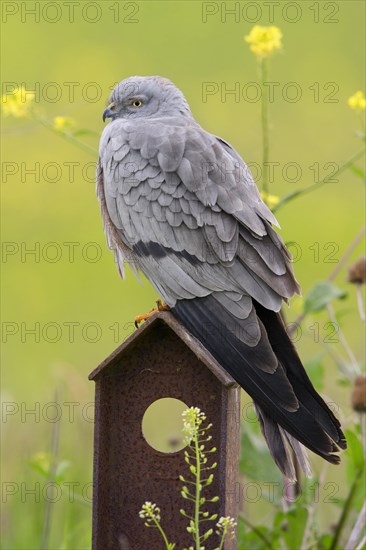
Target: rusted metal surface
160,360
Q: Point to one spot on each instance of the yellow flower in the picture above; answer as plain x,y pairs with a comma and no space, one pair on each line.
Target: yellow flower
63,123
264,40
270,200
18,103
357,101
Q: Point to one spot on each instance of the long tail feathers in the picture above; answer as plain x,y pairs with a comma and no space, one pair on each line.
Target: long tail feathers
286,451
290,411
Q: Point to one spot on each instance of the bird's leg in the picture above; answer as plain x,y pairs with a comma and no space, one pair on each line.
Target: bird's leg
160,306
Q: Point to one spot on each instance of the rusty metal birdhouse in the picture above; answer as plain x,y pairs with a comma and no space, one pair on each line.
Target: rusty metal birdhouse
160,360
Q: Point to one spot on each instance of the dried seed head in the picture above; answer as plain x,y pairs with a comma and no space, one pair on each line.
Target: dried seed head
357,272
359,394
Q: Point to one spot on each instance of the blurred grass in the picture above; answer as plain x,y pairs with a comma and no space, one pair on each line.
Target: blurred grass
170,39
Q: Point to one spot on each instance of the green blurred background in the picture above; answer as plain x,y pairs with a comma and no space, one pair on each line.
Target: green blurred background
170,39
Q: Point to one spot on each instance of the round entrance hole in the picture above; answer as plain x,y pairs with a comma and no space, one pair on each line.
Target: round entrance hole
162,425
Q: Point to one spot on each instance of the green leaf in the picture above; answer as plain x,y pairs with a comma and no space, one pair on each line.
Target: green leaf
241,530
358,171
354,453
359,497
321,295
294,532
355,465
325,541
41,463
315,370
250,539
62,466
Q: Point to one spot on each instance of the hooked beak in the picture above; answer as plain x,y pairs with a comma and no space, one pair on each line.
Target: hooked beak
108,113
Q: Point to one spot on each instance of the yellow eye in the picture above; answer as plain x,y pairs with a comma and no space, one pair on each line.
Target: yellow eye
137,103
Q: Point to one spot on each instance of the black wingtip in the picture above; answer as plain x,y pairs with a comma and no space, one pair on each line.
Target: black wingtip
313,424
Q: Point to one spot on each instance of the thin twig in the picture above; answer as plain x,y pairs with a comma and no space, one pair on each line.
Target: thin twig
265,129
69,137
357,529
48,509
345,511
362,543
347,254
361,306
363,432
343,340
295,194
263,537
312,508
333,273
340,362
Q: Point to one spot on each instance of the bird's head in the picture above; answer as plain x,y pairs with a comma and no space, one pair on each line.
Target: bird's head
146,96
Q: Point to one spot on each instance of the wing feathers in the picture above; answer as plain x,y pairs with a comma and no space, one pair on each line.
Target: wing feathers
181,206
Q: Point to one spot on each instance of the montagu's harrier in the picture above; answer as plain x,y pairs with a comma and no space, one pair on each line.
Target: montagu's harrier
180,205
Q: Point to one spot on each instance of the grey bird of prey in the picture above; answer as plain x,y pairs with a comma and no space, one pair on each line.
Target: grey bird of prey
180,205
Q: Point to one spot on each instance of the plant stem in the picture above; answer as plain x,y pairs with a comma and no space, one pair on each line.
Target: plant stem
49,506
345,511
362,543
223,539
363,432
161,530
343,340
67,137
333,273
357,529
360,304
266,541
310,188
340,363
198,492
312,508
347,253
265,129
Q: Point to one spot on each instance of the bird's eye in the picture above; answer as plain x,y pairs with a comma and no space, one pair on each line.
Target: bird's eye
137,103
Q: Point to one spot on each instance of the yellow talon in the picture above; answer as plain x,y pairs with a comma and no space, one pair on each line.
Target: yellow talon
160,306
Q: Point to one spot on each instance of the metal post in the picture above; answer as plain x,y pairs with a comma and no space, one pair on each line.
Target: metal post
160,360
